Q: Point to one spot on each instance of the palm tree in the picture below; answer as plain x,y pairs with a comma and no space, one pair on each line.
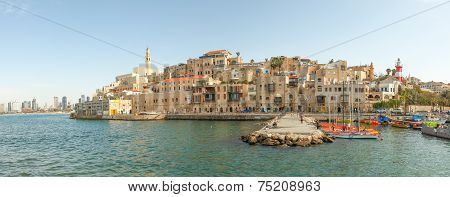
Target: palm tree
388,71
276,62
404,97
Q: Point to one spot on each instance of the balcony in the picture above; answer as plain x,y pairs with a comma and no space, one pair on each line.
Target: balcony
278,99
271,87
210,97
234,96
293,81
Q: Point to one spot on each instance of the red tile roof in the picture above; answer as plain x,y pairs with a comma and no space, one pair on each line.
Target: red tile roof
216,52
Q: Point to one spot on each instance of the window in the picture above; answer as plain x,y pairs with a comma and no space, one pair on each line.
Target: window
319,88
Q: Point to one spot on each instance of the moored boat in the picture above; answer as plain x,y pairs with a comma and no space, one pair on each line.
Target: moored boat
355,136
383,120
416,125
431,124
369,121
400,124
441,131
349,132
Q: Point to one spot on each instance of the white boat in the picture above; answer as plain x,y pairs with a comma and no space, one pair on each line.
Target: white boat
355,136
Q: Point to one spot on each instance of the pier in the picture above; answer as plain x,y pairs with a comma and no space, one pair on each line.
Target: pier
288,130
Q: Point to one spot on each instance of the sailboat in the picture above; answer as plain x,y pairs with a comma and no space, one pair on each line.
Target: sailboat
349,131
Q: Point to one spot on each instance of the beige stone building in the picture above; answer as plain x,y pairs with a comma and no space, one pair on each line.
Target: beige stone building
220,82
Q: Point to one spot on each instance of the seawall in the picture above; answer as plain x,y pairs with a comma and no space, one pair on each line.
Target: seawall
121,117
242,117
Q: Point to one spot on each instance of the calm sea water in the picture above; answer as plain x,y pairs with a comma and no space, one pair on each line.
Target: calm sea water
54,145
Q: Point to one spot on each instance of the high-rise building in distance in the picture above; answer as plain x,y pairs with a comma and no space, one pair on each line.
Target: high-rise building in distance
2,108
34,105
64,103
55,103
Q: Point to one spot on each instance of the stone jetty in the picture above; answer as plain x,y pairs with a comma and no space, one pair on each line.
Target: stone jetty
288,131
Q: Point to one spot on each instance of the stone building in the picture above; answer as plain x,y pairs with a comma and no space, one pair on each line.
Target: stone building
220,82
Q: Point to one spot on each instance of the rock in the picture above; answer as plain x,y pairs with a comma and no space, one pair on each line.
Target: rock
316,140
328,139
304,141
274,136
252,139
270,142
292,137
244,138
264,135
289,143
260,138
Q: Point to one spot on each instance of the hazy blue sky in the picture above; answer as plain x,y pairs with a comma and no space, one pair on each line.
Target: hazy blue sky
41,60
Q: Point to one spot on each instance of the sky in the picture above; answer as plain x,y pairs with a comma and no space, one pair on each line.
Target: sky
41,60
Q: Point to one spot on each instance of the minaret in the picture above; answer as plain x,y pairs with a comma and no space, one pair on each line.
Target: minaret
147,61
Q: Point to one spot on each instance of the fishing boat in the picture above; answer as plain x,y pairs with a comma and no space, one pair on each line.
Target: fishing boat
400,124
416,121
416,125
369,121
441,131
383,120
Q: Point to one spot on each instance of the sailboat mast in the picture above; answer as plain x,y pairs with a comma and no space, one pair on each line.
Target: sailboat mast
351,102
343,104
329,112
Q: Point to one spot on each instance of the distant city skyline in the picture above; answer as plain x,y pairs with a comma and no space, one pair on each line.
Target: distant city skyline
53,61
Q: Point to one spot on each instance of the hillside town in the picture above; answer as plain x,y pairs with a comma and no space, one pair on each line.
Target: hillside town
221,82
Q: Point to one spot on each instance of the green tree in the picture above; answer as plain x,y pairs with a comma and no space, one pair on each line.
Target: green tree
275,63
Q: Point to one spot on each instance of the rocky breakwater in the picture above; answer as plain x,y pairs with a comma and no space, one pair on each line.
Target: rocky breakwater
288,131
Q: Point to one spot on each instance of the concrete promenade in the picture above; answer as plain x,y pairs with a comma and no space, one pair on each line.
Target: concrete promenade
291,124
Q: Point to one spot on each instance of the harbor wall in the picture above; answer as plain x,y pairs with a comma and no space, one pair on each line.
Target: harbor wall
127,117
242,117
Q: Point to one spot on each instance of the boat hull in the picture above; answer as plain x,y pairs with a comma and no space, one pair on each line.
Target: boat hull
436,132
355,136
